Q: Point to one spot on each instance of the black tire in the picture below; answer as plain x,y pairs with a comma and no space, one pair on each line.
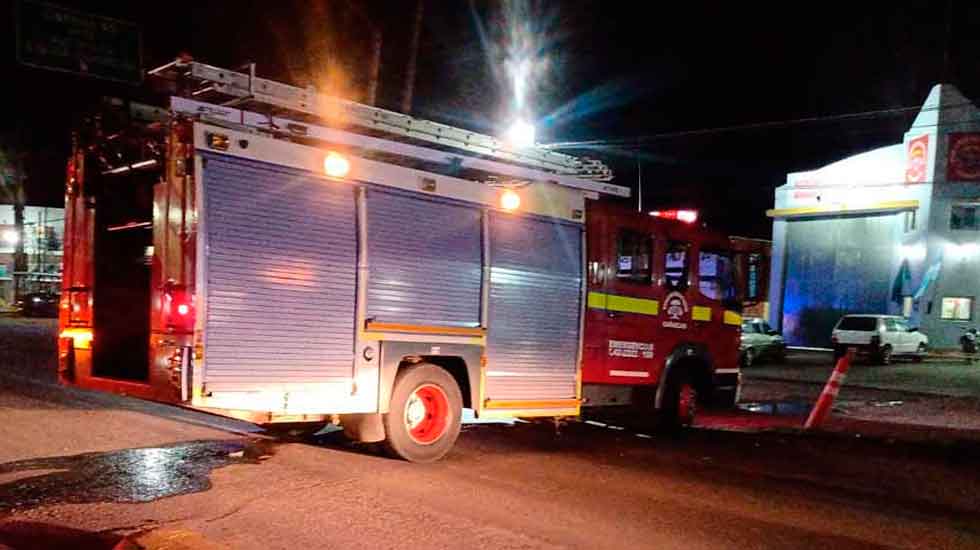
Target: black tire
436,424
748,357
885,355
920,353
679,406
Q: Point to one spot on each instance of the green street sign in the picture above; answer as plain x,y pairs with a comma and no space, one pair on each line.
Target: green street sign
59,39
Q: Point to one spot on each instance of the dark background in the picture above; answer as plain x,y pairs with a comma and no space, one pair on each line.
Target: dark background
611,71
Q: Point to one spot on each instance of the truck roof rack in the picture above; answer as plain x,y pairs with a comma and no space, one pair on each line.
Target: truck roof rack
248,94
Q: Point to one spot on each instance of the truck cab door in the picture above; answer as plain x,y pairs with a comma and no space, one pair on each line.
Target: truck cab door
629,306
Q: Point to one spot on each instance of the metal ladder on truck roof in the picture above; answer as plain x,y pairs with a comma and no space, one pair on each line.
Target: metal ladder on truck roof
234,89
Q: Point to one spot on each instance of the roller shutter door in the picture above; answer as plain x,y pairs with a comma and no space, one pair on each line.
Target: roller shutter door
425,261
535,294
280,273
835,266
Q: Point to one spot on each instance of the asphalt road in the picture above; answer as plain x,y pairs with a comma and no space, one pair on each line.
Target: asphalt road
81,469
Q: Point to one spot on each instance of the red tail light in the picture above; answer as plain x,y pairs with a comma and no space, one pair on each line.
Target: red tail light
177,309
833,338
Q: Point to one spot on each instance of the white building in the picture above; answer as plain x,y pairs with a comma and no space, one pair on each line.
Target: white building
892,230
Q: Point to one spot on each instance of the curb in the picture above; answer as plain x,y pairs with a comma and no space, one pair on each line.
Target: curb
859,386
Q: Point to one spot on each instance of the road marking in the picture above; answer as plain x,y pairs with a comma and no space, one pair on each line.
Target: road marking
630,373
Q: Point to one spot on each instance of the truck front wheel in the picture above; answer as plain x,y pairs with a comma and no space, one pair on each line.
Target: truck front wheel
680,401
423,420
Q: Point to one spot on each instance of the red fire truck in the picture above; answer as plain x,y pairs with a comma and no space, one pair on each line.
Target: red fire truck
264,252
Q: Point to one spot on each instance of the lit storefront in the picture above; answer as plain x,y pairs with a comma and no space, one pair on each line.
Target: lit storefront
894,230
41,237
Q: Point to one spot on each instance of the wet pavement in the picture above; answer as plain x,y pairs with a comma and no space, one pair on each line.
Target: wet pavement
111,466
128,475
779,408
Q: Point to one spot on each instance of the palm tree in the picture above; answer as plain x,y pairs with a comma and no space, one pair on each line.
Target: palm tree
12,178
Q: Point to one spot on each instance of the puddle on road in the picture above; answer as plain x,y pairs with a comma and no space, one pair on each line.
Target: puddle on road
778,408
128,475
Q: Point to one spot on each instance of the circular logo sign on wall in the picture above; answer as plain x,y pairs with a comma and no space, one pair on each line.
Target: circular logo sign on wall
964,157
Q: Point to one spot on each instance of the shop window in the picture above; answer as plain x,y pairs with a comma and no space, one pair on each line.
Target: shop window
957,308
715,275
964,216
910,221
634,252
676,266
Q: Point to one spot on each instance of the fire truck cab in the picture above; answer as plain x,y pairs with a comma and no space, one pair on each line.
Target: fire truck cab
662,321
264,252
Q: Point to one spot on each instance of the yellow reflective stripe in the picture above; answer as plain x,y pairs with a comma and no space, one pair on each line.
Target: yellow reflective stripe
632,305
701,313
626,304
732,318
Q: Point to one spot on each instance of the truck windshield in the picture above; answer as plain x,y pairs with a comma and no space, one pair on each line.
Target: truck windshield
716,275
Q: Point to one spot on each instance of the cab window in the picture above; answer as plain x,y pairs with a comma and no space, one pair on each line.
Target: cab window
634,252
716,279
676,266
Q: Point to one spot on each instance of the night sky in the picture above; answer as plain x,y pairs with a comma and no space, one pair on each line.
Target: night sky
598,71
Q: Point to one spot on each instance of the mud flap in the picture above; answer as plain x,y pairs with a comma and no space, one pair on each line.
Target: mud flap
66,359
366,428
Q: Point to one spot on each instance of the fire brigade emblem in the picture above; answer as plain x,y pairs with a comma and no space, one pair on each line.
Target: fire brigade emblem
675,307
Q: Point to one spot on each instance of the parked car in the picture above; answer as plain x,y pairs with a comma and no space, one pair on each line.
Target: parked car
880,337
38,304
760,341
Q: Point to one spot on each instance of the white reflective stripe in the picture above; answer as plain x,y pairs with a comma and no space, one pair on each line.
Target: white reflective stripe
528,374
726,371
630,373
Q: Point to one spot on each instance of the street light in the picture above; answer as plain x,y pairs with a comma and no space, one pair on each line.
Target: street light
520,134
11,237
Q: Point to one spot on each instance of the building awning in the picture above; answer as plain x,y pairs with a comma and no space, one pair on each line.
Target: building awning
836,209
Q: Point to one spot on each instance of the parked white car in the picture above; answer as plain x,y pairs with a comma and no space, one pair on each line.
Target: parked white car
760,341
881,337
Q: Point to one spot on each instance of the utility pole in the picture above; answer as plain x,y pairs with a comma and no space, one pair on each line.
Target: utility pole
372,91
20,256
413,55
639,184
374,69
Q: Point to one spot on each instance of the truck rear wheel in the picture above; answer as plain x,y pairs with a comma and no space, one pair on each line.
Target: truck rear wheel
423,421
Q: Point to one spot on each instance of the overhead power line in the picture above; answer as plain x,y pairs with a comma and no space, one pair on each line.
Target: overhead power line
640,140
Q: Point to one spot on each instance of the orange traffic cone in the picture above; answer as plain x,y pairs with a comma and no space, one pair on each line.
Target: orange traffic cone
821,410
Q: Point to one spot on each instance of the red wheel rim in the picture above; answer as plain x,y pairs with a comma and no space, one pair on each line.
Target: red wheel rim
427,414
686,404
